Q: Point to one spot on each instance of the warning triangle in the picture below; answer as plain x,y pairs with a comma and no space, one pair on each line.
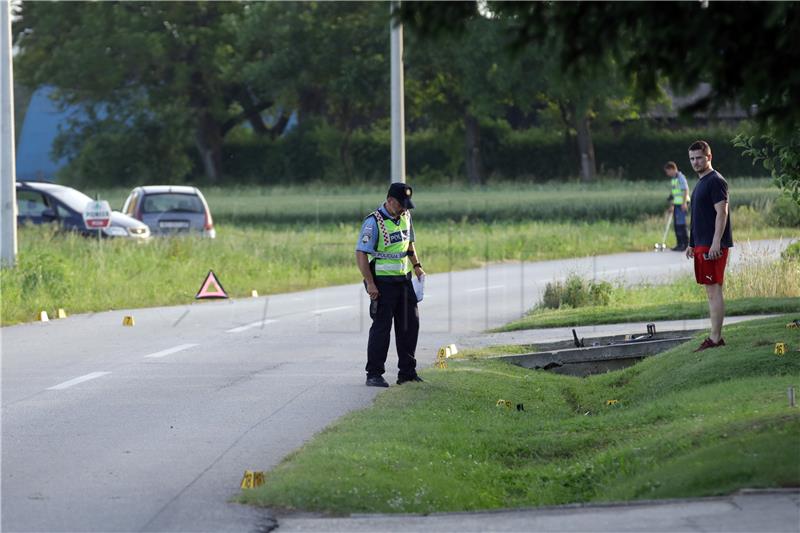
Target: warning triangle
211,288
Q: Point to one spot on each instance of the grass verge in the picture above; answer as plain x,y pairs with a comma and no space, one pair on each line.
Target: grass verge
684,424
679,310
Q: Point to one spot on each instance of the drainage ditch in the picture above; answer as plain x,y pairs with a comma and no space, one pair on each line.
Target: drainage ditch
584,357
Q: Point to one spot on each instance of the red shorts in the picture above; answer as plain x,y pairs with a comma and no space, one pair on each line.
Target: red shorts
709,271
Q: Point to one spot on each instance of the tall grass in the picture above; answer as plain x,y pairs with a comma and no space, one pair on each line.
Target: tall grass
754,285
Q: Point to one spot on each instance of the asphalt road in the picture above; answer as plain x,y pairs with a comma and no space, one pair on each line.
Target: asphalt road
149,428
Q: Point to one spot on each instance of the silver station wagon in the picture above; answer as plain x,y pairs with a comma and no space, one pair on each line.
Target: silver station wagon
171,209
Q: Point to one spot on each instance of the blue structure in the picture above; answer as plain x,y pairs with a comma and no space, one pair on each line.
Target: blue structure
42,121
41,127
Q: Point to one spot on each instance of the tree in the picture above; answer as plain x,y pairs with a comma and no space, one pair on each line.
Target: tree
169,63
779,155
444,81
327,60
745,50
469,76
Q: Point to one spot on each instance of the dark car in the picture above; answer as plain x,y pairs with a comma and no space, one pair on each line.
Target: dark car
170,209
40,202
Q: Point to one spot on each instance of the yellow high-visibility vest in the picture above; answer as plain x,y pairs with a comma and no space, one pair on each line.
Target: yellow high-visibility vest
391,253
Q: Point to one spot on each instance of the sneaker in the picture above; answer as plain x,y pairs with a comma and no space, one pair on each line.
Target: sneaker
406,379
376,381
708,343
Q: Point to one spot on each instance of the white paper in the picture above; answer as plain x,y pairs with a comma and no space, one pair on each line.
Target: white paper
419,286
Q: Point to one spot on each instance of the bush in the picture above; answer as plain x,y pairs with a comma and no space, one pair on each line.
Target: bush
315,151
576,292
792,252
784,212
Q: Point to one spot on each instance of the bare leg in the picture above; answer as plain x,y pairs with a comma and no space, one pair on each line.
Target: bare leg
716,308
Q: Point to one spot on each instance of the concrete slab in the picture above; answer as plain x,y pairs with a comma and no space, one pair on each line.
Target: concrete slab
534,336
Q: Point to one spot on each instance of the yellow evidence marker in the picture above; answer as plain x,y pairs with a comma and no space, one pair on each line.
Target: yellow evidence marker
252,479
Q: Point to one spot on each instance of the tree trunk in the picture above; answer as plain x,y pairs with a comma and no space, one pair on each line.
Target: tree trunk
586,148
345,155
570,145
474,165
208,142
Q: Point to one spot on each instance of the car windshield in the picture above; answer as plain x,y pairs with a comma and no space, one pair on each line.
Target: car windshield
73,199
174,202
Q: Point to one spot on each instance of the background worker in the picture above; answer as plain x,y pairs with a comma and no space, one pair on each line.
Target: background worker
679,204
386,257
711,236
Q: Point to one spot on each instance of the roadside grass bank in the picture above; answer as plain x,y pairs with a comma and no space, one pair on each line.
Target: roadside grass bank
683,424
57,270
753,286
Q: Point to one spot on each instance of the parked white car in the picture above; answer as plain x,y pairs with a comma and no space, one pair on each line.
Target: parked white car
171,209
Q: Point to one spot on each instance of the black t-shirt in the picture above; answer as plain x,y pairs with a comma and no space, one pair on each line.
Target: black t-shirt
711,189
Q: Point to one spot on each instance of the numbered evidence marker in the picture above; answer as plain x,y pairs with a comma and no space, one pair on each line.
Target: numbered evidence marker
251,480
211,288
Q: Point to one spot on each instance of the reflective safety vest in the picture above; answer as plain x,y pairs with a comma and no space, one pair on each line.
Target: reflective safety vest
391,253
677,192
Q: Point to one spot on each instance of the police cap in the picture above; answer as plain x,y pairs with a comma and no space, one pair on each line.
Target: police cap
402,193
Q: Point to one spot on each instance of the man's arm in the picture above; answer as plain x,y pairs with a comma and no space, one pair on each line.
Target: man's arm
719,227
363,266
412,255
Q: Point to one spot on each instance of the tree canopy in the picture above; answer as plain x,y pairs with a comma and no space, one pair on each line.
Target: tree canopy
747,51
166,87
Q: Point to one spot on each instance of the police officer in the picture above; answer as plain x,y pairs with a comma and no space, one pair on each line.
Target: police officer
679,200
386,257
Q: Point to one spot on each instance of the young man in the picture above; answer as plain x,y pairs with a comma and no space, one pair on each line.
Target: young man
387,258
710,237
679,204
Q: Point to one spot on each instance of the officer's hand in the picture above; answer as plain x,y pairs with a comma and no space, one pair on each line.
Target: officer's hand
372,290
419,272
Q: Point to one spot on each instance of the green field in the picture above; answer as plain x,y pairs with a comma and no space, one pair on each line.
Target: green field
279,240
683,424
569,201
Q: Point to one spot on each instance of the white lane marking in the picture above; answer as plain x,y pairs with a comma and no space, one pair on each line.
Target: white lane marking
331,309
169,351
489,288
250,326
70,383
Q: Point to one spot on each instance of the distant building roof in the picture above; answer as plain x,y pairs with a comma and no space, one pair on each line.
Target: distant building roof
679,102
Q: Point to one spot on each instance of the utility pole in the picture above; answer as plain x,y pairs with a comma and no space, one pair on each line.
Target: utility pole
8,190
398,107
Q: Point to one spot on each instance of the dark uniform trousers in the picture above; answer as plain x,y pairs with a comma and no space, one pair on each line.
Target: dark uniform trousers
681,235
397,302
